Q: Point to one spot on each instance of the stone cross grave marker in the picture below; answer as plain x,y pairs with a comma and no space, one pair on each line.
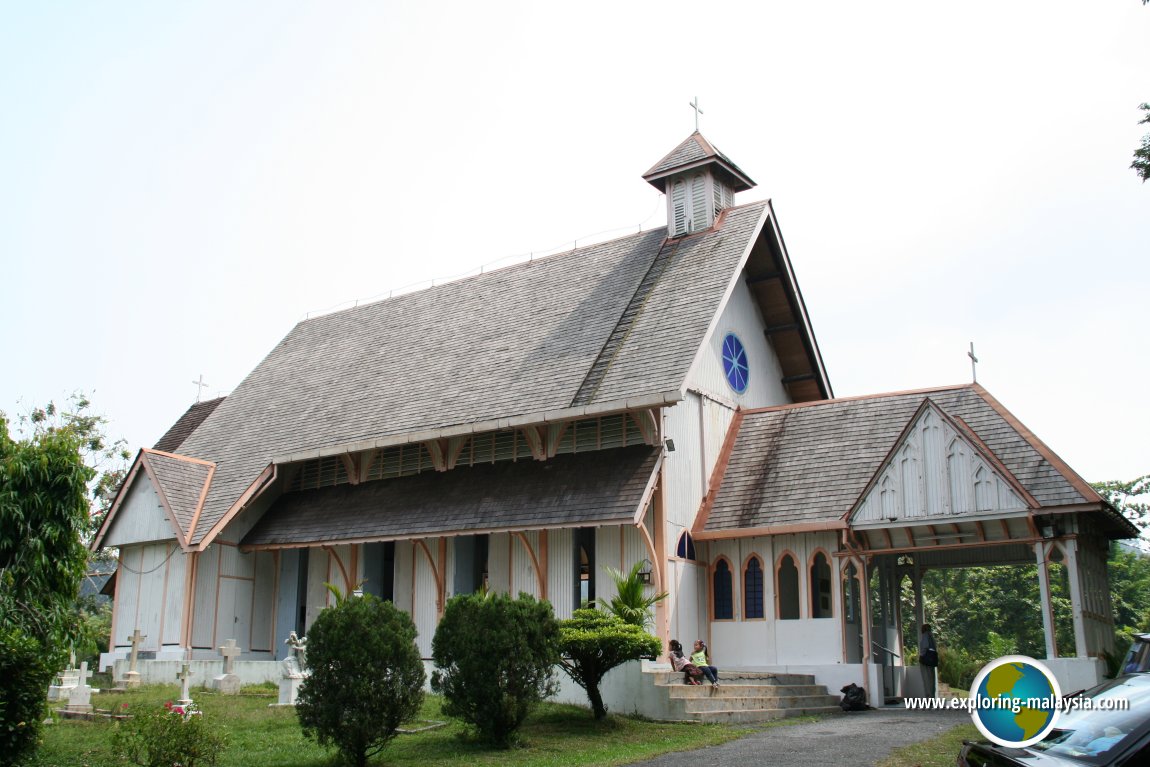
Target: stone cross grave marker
185,677
132,677
80,698
228,683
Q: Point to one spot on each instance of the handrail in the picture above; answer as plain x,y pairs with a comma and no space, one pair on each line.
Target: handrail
887,650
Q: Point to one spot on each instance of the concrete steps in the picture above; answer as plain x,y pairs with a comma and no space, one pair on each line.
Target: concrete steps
743,697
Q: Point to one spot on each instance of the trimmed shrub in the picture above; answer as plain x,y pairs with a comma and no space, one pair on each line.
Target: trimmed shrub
495,658
167,735
366,677
593,642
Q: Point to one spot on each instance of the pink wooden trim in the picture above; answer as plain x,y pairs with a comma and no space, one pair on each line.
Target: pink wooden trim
333,556
535,441
422,544
717,475
437,450
116,600
121,494
255,489
200,502
837,400
653,553
756,532
349,466
189,598
540,579
167,507
1079,484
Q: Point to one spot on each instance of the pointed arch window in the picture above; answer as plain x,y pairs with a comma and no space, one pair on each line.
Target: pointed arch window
821,606
788,588
686,547
753,589
722,598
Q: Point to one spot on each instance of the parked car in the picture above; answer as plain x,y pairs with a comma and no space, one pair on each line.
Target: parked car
1095,736
1138,659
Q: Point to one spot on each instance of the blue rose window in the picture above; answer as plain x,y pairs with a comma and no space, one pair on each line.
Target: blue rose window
735,366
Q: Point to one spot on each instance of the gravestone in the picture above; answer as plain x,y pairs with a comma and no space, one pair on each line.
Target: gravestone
80,699
185,677
294,669
228,683
65,682
132,676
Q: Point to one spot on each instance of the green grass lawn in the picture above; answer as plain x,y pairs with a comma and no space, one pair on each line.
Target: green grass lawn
940,751
258,735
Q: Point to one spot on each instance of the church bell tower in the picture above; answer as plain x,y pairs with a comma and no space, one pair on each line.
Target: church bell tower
699,181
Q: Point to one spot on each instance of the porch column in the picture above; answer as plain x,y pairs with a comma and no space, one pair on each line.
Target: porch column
919,607
1044,600
1077,605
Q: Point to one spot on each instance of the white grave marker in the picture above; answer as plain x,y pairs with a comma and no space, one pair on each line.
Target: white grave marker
185,677
228,683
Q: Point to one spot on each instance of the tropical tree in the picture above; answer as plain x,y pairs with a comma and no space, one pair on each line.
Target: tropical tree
43,515
593,642
631,602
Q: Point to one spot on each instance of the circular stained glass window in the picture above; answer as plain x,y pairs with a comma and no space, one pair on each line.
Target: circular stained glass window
735,366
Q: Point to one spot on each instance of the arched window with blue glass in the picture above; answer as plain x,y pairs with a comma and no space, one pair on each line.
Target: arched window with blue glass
735,366
721,589
753,589
686,547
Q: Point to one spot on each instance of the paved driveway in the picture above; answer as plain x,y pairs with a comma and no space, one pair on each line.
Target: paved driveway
857,739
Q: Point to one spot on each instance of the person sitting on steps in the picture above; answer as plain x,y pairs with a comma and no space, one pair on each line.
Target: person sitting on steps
701,657
679,662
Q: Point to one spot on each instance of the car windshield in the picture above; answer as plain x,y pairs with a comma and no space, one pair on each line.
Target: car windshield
1101,720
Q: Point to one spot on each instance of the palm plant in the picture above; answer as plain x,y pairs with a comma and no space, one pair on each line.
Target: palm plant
631,603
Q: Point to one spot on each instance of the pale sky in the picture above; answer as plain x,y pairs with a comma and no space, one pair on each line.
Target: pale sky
180,183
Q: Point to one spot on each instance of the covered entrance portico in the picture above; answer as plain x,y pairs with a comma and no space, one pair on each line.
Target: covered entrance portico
901,550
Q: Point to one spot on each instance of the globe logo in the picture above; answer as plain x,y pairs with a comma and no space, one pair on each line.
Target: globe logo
1014,701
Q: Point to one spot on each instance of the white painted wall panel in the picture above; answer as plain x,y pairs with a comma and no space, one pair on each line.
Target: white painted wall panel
523,573
608,552
319,567
424,613
683,469
560,572
204,604
155,560
233,613
128,597
141,516
175,583
404,571
499,563
264,602
764,385
235,563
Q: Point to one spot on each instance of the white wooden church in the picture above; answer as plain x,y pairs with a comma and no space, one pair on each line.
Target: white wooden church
658,398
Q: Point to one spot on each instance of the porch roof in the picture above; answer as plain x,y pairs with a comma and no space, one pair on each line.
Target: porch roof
800,466
585,489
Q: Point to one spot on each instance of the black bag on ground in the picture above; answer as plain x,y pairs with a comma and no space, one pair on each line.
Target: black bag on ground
854,698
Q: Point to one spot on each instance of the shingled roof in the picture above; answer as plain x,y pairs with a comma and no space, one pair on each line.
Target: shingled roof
604,327
805,465
597,488
696,151
187,423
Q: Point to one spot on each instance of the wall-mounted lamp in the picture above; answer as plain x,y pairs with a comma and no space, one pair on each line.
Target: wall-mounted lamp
645,572
669,444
